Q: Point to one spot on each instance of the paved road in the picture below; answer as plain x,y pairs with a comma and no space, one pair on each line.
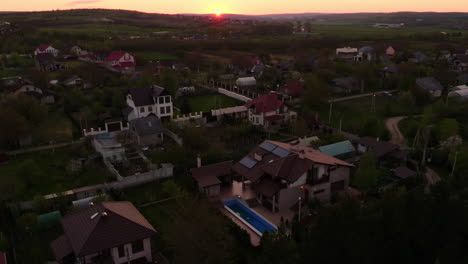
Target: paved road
397,138
352,97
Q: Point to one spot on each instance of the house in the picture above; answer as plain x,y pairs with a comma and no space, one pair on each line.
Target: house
120,61
344,85
109,232
19,85
365,54
294,89
77,51
382,151
342,150
212,177
346,53
280,174
46,62
144,101
431,85
269,111
46,49
147,131
390,51
73,81
403,173
246,82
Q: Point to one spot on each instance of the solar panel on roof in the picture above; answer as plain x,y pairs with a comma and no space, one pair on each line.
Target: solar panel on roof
268,146
281,152
248,162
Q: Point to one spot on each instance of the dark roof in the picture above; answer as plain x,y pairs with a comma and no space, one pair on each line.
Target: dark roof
376,147
429,83
149,125
90,230
367,49
145,95
61,247
208,175
403,172
265,103
45,58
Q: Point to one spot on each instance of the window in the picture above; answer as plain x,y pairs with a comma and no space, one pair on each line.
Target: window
163,110
161,100
168,109
168,99
137,246
121,251
142,110
150,109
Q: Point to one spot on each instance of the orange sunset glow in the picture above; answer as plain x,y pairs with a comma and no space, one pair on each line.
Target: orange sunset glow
243,6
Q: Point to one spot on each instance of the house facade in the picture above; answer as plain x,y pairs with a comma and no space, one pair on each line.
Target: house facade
110,232
281,174
145,101
46,49
147,131
120,61
269,111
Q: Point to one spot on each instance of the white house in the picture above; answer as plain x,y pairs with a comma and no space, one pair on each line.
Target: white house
346,53
145,101
46,49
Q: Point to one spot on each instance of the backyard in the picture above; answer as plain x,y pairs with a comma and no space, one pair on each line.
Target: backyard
39,173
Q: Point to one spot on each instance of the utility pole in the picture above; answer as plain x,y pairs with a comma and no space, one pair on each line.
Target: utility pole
300,205
341,124
330,113
454,164
426,142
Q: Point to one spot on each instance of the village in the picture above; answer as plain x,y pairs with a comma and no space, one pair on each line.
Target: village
116,156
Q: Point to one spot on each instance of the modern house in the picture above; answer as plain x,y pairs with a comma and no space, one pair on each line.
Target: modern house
147,131
211,178
346,53
269,111
145,101
46,49
431,85
120,61
280,174
109,232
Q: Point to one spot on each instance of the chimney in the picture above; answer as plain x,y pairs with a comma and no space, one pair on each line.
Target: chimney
198,161
104,213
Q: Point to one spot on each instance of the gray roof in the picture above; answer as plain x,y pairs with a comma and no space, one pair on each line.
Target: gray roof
429,83
145,95
366,49
146,126
72,79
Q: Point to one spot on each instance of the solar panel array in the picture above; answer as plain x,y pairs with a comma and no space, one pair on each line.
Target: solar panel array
281,152
268,146
248,162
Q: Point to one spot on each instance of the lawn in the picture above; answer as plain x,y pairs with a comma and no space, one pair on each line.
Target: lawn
206,103
57,128
99,29
47,171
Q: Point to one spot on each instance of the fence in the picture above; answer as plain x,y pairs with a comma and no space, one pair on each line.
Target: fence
93,132
234,95
184,119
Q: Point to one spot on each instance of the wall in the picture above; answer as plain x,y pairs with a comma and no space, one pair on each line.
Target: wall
341,173
132,256
236,96
288,197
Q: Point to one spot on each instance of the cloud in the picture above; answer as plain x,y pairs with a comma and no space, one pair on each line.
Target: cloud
83,2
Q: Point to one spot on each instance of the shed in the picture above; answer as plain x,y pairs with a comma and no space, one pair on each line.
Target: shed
341,150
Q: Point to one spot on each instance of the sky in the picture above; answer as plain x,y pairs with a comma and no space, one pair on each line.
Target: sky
242,6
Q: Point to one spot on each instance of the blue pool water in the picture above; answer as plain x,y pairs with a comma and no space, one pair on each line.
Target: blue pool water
250,216
104,135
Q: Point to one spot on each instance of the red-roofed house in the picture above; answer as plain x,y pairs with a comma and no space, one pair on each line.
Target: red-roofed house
109,232
46,49
269,111
280,173
120,61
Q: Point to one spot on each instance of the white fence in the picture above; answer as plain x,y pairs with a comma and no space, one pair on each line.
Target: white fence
94,132
234,95
192,117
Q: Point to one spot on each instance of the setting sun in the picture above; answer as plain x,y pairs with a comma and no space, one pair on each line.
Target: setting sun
218,13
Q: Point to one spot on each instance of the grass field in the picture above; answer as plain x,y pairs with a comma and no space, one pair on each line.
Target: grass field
210,102
155,56
45,172
56,127
99,29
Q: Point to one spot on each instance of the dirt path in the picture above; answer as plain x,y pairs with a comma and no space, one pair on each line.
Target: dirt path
399,139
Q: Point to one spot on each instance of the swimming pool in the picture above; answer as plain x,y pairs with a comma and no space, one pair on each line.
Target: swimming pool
249,217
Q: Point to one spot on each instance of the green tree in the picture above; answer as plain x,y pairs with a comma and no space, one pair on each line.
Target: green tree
448,127
315,92
367,174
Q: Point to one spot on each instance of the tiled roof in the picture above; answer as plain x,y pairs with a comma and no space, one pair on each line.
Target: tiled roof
104,226
43,47
115,55
265,103
142,96
208,175
61,247
146,126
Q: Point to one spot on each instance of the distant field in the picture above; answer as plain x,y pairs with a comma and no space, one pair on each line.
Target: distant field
101,29
207,103
155,56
